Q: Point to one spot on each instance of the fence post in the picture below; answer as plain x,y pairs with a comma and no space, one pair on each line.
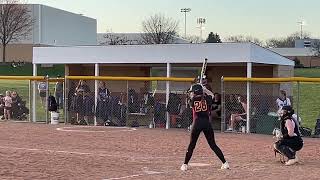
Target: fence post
167,94
34,93
96,74
30,99
46,100
298,107
64,97
249,75
223,116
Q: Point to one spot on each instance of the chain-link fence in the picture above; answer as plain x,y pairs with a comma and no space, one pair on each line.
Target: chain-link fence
265,100
155,102
14,100
128,102
26,99
308,108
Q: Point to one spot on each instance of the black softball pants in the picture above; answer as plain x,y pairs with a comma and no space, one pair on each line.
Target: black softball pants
206,128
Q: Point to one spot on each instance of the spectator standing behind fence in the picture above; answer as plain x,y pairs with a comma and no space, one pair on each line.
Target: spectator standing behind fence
238,117
81,90
2,106
58,92
16,102
42,88
7,105
282,101
103,111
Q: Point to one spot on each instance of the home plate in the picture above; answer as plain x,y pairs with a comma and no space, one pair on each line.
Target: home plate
199,164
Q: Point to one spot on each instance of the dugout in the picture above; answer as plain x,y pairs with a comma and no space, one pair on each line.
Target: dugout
183,60
169,60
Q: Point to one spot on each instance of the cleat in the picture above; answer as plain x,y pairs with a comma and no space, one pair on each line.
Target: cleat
184,167
225,166
292,161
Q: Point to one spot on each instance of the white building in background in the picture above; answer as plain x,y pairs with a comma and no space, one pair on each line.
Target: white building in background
128,39
305,43
53,27
303,52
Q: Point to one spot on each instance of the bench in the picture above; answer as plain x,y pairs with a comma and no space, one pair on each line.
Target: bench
143,119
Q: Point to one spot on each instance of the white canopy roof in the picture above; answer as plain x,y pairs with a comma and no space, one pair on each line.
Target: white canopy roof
154,54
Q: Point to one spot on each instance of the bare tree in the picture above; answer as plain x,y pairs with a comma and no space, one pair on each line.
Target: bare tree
114,39
315,47
194,39
242,38
159,29
286,42
15,23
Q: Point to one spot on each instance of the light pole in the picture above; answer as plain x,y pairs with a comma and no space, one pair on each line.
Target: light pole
301,23
185,10
201,22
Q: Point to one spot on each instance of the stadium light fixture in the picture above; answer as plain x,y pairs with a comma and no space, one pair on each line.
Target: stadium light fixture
185,10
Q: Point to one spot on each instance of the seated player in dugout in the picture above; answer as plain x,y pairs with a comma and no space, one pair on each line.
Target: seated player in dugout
201,103
235,118
216,107
290,140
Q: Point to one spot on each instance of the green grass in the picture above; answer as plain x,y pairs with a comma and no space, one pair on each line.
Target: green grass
307,72
309,106
309,103
26,70
22,88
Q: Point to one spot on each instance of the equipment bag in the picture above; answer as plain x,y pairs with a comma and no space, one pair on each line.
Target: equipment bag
52,104
317,128
305,131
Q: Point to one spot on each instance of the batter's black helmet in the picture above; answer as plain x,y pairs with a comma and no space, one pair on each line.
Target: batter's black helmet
197,89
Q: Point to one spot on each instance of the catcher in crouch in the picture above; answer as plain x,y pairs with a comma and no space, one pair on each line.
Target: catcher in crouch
290,141
201,102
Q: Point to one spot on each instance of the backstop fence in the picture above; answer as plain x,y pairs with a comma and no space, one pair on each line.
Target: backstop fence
128,101
252,104
156,101
90,100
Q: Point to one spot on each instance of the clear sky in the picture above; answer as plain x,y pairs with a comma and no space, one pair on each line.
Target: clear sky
259,18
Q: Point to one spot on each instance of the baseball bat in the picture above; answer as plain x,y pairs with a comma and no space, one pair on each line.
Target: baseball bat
203,69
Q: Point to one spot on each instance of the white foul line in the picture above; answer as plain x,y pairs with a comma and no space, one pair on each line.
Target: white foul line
72,129
125,177
136,175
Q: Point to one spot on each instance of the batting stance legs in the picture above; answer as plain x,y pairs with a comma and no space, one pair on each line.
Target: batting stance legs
209,134
201,102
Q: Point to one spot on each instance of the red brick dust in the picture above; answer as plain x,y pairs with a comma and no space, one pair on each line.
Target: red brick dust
39,151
